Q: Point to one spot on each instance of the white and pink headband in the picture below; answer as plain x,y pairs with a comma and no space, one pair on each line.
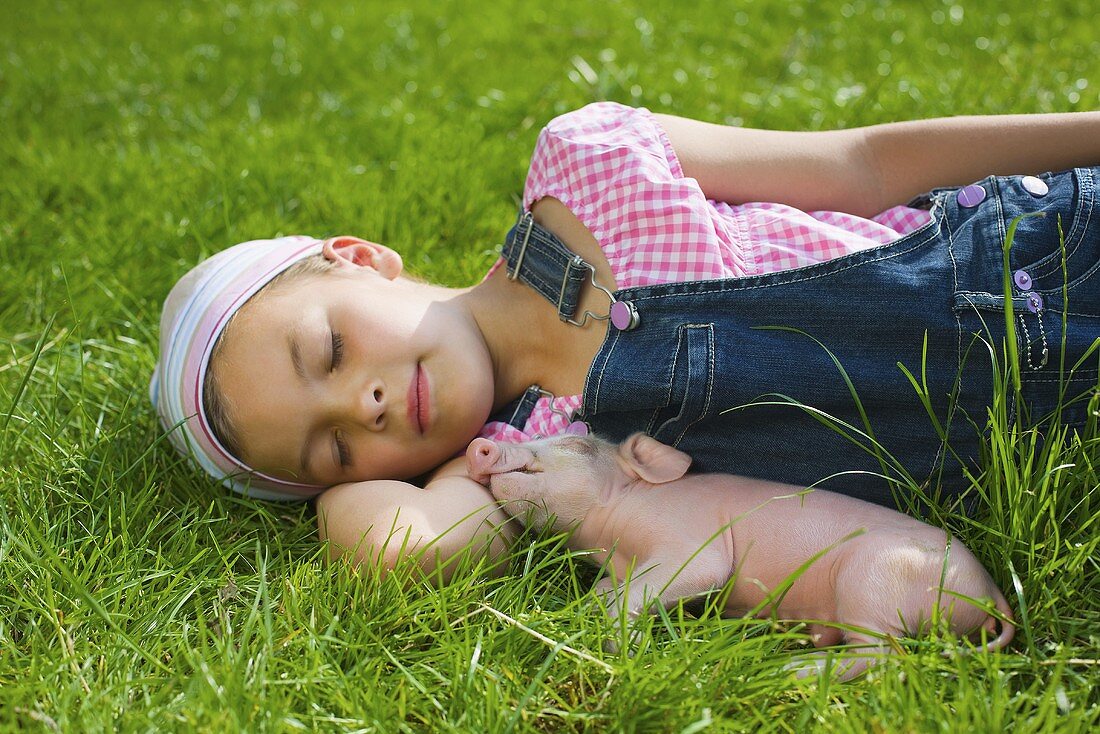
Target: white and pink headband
195,313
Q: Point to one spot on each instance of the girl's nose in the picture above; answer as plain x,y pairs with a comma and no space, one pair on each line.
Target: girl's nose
366,405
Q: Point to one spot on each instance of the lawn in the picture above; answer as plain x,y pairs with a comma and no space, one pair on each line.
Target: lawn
139,137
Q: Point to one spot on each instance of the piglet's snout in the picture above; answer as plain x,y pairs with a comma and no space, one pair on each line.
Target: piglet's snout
482,455
485,459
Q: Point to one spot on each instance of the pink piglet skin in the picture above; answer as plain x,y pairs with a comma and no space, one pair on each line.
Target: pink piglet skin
665,535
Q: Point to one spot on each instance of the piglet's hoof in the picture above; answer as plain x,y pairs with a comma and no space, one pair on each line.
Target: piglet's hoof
839,666
611,645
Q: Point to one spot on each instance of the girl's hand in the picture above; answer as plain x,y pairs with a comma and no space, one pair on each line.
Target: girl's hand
383,521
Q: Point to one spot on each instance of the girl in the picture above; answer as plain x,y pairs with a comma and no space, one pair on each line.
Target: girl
645,288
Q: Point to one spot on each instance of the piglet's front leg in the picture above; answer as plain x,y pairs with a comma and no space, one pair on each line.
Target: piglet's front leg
864,649
654,582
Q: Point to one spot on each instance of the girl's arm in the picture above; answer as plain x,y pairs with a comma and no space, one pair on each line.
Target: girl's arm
868,169
382,522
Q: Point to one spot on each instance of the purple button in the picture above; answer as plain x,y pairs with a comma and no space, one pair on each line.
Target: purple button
577,428
623,315
1023,280
972,195
1034,302
1034,186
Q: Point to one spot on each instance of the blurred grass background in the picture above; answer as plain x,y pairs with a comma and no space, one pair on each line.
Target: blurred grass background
137,138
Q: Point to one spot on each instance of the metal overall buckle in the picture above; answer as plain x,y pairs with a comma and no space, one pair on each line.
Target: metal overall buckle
623,314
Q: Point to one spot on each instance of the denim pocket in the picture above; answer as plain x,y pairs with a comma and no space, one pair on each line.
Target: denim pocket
1067,232
690,384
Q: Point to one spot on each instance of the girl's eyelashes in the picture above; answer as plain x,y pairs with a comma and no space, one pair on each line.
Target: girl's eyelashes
337,350
343,455
342,450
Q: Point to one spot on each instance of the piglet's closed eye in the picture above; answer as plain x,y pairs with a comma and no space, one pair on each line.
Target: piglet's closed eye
649,459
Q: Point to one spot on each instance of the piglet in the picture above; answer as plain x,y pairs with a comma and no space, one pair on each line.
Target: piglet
867,572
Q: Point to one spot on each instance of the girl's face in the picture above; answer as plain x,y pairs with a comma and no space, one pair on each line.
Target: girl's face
353,374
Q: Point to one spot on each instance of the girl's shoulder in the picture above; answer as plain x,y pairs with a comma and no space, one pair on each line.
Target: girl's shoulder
607,125
580,154
614,169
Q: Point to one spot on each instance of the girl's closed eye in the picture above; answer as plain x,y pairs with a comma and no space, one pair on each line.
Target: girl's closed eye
342,452
337,350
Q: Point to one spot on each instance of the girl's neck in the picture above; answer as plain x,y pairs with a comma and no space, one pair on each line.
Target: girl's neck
528,343
512,319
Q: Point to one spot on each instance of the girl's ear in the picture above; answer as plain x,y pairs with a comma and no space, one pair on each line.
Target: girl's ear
651,460
354,252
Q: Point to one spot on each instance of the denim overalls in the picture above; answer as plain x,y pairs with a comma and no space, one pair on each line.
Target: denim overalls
716,369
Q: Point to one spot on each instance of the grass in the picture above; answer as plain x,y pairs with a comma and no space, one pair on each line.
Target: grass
138,137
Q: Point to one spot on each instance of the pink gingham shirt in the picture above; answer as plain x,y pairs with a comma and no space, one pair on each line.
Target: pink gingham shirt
615,169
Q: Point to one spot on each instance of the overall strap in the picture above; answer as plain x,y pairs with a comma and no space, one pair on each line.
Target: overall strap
540,260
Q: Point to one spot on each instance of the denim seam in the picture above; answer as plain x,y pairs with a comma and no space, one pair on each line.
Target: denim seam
670,379
1085,174
938,208
1081,278
1074,239
709,381
1002,236
1002,228
653,428
718,285
1053,380
987,301
993,302
614,340
683,343
1041,267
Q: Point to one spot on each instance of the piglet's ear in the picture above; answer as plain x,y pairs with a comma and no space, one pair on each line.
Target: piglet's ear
652,460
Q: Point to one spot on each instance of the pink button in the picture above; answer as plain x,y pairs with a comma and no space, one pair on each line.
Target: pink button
1022,279
577,428
623,315
1034,186
971,196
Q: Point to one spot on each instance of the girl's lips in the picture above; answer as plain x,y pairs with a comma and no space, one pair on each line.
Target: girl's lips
418,407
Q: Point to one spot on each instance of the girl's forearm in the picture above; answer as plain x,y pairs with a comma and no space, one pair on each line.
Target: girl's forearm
865,170
383,522
912,157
